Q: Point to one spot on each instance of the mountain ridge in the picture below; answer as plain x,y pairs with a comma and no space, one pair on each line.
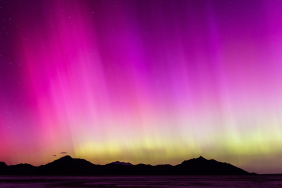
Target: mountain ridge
75,166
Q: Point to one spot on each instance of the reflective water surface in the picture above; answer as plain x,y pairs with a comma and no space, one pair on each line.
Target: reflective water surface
266,181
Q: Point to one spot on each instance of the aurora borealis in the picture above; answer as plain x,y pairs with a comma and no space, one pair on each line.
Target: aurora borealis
142,81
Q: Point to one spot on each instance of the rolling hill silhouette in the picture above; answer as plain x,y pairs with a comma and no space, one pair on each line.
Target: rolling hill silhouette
73,166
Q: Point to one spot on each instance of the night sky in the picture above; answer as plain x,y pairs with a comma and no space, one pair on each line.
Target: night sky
142,81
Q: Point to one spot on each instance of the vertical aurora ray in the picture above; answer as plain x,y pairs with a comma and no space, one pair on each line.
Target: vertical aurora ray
142,81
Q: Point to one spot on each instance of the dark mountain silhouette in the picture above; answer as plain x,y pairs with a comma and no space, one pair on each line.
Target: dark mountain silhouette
119,163
72,166
21,169
3,168
202,166
66,165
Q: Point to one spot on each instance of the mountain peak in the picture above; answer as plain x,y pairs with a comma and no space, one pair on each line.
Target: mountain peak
201,158
66,157
120,163
197,160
